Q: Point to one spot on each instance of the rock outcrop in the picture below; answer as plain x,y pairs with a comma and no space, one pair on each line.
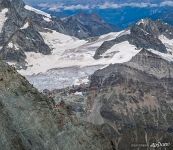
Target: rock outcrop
153,64
28,120
133,102
19,32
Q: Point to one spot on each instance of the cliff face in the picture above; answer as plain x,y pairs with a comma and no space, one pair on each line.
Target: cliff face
19,33
28,120
133,102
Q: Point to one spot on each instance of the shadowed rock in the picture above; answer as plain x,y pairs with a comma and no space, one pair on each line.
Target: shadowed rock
144,34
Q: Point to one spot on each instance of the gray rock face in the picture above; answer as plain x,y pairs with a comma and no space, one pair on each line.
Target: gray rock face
144,34
134,101
25,40
28,120
152,64
87,25
14,38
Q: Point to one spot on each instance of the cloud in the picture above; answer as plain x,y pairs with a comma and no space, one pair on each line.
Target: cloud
106,5
166,3
43,5
76,7
109,5
51,7
55,7
138,5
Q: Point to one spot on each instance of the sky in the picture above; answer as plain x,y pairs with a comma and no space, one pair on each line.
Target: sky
56,5
92,1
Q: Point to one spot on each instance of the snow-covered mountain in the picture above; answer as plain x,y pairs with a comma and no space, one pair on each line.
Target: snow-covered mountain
21,27
154,35
128,99
51,59
74,63
77,61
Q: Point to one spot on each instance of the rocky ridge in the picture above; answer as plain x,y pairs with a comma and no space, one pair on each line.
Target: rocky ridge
29,120
145,34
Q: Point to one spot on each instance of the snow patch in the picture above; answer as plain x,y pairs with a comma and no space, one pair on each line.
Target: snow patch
167,42
109,36
12,63
167,57
142,21
3,18
78,93
124,32
25,26
81,81
37,11
60,42
13,46
122,52
47,19
10,45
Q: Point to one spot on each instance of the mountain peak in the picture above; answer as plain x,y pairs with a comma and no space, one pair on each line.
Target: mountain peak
149,26
145,21
87,25
155,28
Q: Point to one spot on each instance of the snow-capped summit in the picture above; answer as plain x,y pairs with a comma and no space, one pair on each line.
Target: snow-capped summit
145,34
37,11
143,22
